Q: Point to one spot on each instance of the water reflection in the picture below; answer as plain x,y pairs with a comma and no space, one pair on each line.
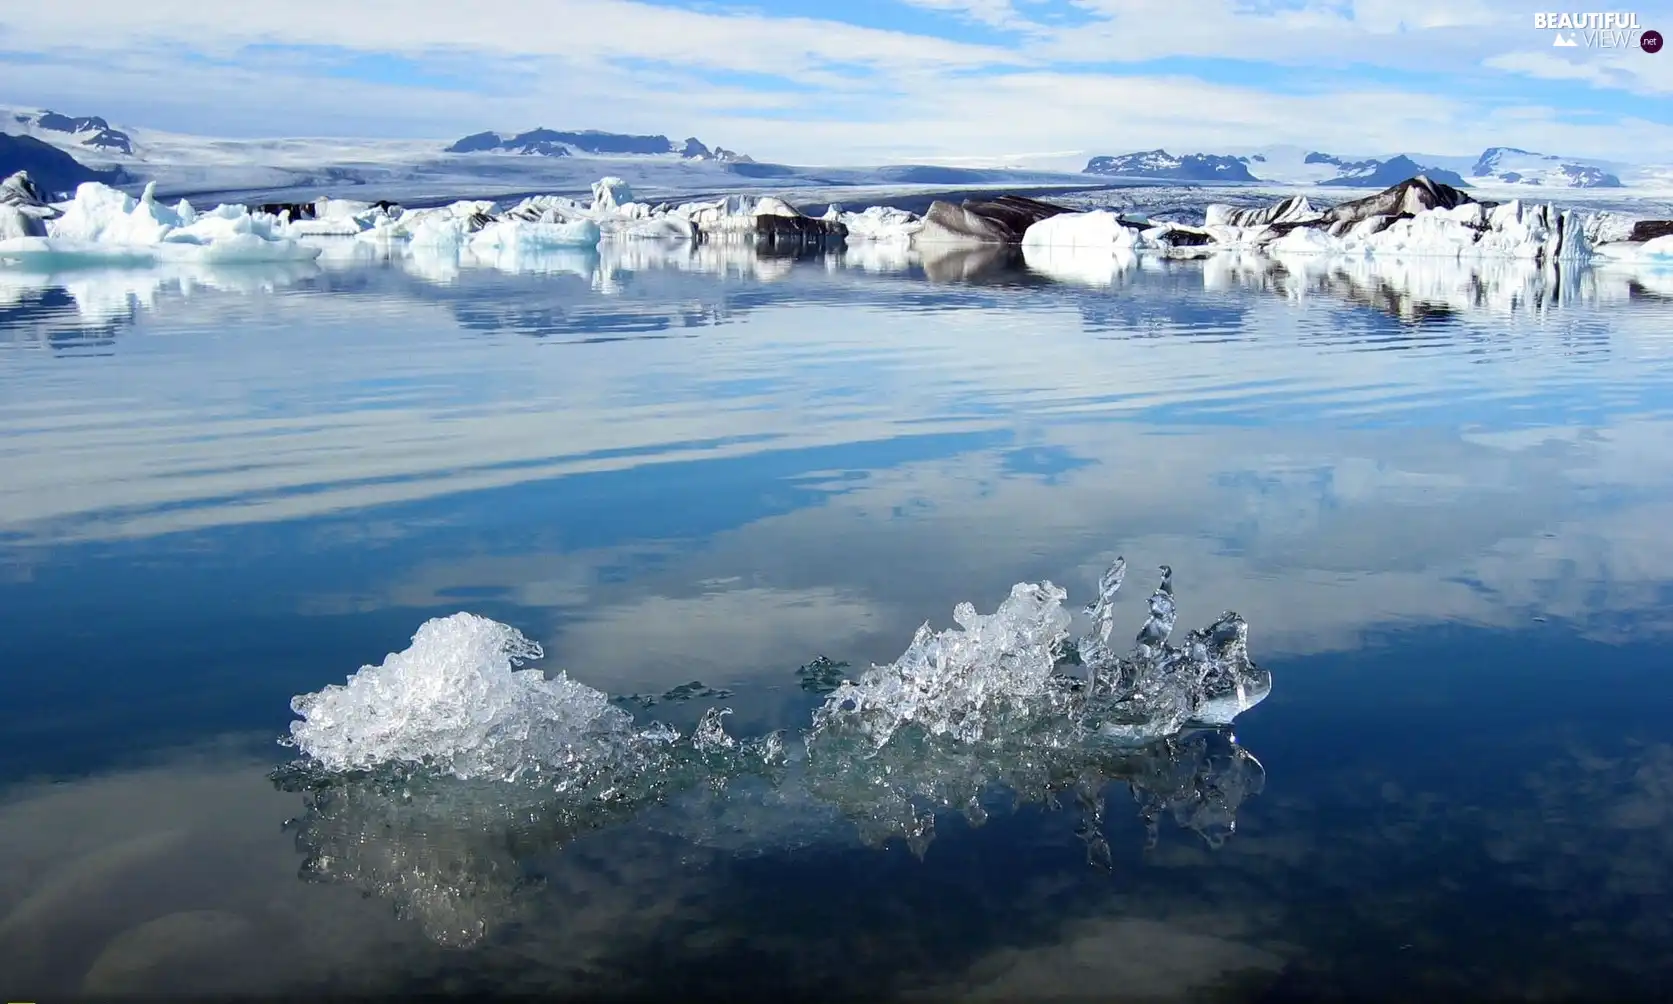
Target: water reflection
826,431
173,879
453,856
263,477
1414,290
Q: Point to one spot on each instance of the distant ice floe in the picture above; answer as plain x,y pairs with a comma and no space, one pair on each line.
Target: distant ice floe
1416,218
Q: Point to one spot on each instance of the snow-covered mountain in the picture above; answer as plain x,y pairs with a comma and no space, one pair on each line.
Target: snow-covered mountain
1524,167
1281,165
496,165
1161,164
554,143
87,132
1383,173
1496,166
51,168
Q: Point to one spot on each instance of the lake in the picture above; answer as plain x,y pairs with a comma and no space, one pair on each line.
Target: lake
1439,495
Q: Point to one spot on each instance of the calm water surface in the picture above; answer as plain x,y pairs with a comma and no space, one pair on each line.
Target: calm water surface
1441,498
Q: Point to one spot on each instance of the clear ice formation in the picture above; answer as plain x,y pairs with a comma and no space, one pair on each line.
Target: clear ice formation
456,701
424,775
997,676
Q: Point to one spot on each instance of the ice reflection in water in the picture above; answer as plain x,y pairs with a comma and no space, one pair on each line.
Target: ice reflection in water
430,775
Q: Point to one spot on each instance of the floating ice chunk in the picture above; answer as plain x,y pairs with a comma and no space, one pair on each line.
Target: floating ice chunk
1656,251
1295,209
519,236
1308,240
455,700
105,224
15,223
610,193
1100,229
962,682
1469,230
101,214
338,209
54,252
661,226
337,226
878,224
995,676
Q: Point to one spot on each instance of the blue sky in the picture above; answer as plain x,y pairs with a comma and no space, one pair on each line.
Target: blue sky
1023,82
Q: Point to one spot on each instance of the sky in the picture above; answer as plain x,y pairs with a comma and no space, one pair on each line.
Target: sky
1028,83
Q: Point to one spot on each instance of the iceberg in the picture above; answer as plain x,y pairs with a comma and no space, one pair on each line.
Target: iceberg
1295,209
23,210
1418,217
1097,229
1657,251
102,224
763,219
877,224
610,193
15,223
515,235
1001,220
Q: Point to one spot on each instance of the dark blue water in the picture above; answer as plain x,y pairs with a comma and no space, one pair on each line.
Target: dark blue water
1440,497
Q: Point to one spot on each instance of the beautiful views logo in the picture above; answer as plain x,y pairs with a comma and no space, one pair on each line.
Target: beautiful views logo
1599,30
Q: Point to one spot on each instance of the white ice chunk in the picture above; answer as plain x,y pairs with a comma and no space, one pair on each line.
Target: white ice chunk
517,235
877,224
456,700
610,193
1657,251
15,223
104,224
1097,229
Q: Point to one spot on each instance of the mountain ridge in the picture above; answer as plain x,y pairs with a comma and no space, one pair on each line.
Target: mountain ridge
544,142
1298,165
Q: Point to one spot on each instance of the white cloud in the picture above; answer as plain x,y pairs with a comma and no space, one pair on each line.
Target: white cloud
1618,69
845,93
